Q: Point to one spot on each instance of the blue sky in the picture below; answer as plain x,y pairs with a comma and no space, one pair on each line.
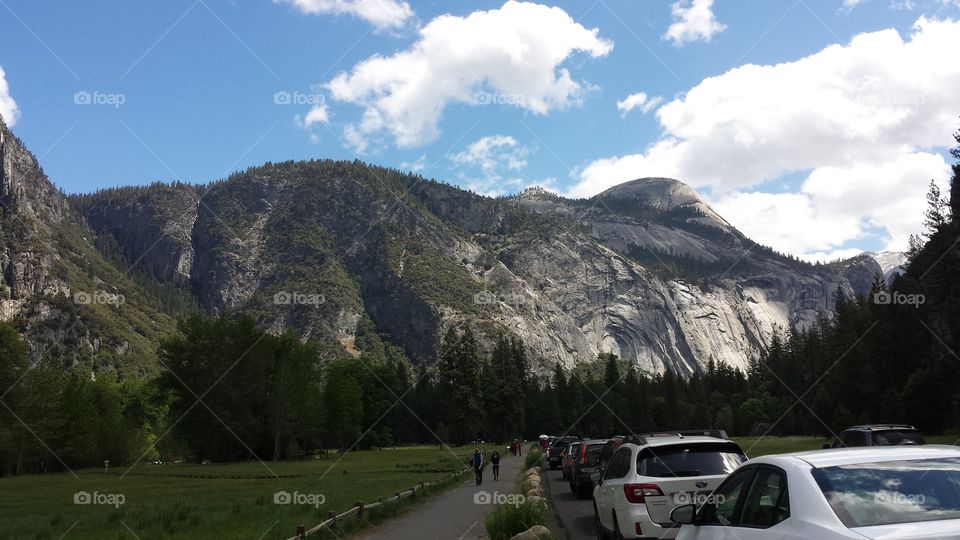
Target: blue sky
196,89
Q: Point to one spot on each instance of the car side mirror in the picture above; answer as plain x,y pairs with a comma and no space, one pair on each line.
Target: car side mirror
596,478
683,515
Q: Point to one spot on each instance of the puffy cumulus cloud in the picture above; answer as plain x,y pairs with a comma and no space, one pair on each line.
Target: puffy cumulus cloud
863,101
318,114
8,107
693,20
660,159
493,165
515,51
494,152
382,14
839,205
880,99
640,100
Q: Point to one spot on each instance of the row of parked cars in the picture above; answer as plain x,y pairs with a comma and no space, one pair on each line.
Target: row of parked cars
878,481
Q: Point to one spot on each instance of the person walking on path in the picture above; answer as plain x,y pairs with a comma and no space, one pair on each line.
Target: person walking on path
495,461
478,465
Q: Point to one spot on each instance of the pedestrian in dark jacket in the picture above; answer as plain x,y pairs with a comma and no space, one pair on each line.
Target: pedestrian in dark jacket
478,465
495,461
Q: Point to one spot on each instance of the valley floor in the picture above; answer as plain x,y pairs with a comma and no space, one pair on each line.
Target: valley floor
229,501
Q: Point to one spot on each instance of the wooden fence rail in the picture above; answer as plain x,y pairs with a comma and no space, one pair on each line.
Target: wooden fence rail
360,507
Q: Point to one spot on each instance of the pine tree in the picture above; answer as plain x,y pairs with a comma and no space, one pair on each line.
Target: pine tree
937,214
955,181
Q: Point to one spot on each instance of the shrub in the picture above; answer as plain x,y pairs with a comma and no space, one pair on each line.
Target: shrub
533,458
510,519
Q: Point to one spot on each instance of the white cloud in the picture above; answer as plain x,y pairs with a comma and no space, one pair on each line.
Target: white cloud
494,152
837,205
848,5
693,21
640,100
317,115
492,165
382,14
416,165
515,51
8,107
880,99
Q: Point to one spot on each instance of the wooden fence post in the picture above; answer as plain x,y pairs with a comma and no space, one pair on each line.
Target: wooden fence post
301,532
359,504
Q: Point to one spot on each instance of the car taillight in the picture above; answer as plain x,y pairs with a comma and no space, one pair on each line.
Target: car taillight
637,493
583,455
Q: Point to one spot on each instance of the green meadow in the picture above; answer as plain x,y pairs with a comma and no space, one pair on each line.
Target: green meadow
229,501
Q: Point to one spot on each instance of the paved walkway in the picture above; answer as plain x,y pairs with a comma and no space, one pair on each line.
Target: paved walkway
454,514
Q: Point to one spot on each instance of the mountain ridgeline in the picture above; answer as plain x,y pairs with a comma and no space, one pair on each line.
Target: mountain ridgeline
645,270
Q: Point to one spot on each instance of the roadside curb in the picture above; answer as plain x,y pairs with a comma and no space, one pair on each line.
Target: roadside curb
554,521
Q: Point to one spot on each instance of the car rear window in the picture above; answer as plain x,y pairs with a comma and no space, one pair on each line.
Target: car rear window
869,494
689,459
593,453
890,437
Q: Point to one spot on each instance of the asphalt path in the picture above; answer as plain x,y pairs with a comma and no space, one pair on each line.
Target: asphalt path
456,514
575,515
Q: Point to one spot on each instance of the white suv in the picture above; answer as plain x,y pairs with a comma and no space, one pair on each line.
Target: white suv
649,476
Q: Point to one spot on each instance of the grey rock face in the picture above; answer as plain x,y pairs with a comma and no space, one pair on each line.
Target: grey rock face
646,270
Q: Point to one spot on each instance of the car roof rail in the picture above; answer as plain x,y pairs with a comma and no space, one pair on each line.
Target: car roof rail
716,433
882,426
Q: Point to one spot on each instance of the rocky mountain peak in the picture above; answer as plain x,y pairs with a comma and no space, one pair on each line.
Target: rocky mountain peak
537,193
891,262
663,194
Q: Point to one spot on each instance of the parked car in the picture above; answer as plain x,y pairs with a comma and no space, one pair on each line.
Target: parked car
878,435
615,441
607,452
585,464
568,457
888,493
555,448
648,476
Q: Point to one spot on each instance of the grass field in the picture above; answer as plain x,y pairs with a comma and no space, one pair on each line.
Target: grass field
761,446
167,501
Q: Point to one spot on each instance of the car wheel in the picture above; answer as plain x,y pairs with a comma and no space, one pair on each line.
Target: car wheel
601,532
